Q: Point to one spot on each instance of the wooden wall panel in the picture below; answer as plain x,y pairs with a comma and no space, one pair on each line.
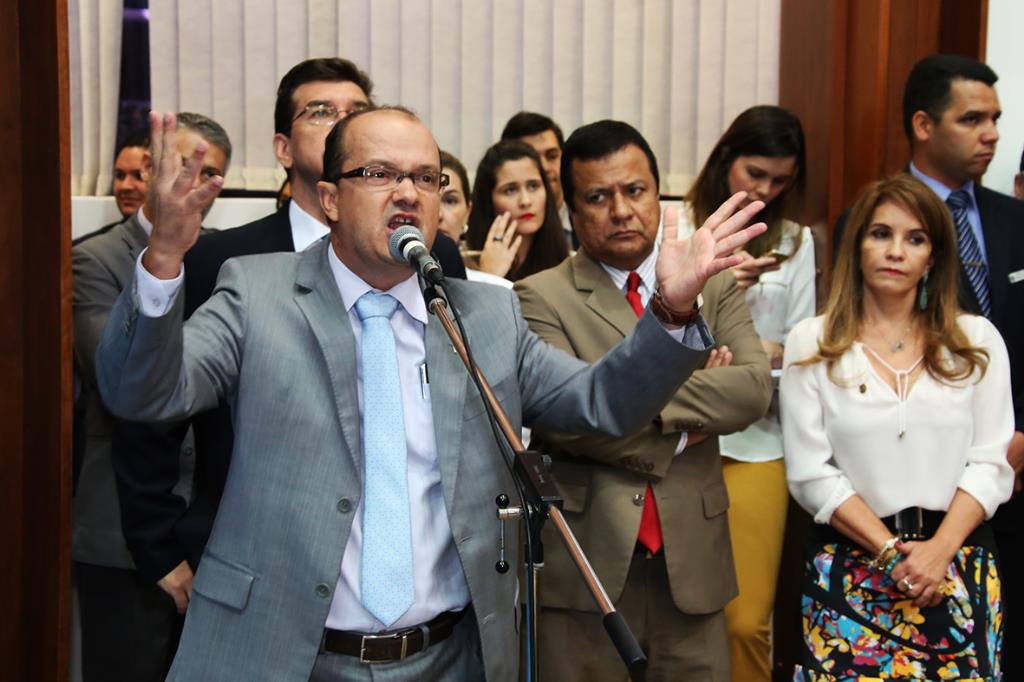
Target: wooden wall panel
809,88
843,64
35,341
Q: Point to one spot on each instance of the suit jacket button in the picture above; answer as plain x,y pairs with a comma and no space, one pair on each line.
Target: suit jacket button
638,499
344,505
323,590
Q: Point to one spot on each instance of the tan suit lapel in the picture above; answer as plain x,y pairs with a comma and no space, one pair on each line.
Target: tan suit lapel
605,299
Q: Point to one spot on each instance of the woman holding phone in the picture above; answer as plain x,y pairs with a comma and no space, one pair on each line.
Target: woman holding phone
762,153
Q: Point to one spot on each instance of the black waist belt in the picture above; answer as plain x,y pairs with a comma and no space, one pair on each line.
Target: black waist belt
392,646
913,523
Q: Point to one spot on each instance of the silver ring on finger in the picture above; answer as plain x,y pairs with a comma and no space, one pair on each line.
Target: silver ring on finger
907,584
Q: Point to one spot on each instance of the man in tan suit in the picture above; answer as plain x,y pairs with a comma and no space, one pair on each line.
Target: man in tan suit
666,562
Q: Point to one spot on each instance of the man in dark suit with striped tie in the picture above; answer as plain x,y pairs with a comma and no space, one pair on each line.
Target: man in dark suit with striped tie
950,115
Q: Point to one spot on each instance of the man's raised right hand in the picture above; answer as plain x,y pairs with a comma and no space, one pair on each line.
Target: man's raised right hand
176,198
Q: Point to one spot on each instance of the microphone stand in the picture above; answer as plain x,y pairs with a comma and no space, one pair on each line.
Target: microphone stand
542,501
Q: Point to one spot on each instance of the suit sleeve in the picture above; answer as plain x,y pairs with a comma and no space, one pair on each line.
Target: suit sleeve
655,442
615,396
146,460
815,481
147,457
94,290
725,399
641,445
159,369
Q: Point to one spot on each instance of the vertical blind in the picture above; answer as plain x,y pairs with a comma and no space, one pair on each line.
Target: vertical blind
94,43
679,70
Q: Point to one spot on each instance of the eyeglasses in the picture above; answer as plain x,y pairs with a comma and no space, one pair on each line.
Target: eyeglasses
322,114
389,178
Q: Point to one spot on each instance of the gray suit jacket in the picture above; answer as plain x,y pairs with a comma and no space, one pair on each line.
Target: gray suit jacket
275,340
101,266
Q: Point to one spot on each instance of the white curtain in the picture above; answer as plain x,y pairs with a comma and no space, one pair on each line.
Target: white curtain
679,70
94,41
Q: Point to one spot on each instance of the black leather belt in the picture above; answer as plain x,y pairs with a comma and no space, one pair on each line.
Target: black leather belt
912,523
383,647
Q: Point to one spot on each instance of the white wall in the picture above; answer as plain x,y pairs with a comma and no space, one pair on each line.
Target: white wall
1005,55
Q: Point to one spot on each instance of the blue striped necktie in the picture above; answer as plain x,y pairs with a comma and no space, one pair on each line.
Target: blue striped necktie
970,253
386,585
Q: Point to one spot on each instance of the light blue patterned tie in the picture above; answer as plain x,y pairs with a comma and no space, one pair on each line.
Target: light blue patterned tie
386,585
970,253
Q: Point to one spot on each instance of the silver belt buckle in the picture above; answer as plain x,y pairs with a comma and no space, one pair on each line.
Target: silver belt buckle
910,524
404,636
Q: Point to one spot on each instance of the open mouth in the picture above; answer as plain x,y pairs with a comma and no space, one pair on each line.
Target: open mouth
401,220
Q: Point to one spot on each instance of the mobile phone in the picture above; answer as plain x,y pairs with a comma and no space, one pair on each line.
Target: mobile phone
779,256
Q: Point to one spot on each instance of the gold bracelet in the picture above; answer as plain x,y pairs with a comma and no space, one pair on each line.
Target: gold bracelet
886,554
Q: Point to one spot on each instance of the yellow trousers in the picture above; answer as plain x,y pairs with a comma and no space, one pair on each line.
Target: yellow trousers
758,498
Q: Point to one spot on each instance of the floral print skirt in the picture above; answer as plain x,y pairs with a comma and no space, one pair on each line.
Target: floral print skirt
858,626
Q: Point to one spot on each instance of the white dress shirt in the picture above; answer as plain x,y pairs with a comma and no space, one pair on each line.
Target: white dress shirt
778,301
305,228
844,438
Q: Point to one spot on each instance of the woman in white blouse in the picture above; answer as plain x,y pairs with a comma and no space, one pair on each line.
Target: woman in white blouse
896,418
762,154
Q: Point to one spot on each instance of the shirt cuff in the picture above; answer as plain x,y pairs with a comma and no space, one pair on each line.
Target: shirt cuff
840,493
695,336
681,445
154,295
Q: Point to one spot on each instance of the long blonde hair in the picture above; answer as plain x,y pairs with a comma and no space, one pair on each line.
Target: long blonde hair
845,308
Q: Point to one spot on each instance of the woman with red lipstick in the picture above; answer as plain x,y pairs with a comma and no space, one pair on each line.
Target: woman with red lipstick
761,153
514,224
896,418
455,211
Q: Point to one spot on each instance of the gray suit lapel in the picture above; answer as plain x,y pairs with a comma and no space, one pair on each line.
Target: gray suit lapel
448,379
135,238
605,299
318,297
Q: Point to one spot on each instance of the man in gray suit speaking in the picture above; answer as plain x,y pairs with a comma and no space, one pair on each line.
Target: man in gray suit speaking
356,536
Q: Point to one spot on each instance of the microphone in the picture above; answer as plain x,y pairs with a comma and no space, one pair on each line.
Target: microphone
406,246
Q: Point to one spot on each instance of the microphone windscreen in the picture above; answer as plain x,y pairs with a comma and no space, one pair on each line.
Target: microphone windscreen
399,237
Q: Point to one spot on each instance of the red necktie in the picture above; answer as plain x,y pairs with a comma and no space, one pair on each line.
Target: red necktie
650,525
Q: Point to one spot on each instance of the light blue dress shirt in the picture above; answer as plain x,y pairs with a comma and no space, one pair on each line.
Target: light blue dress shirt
943,192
